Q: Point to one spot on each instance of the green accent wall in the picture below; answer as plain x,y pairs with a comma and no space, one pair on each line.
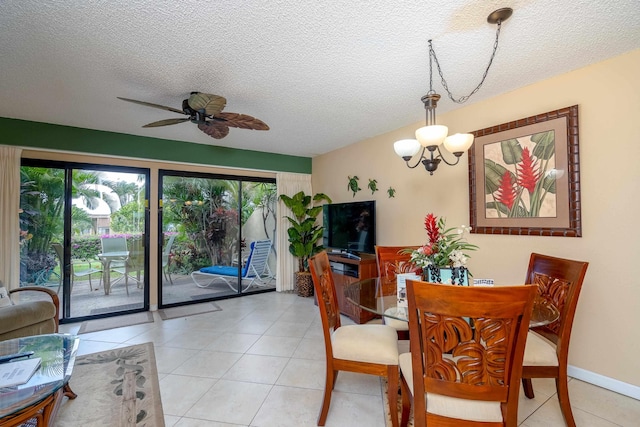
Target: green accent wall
44,135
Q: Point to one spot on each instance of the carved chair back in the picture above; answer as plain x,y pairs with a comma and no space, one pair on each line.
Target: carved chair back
390,263
468,343
559,281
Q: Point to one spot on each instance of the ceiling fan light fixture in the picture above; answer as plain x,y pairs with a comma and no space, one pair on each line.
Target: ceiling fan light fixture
205,110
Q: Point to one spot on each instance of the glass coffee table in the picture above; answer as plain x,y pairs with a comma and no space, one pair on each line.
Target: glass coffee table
367,294
36,402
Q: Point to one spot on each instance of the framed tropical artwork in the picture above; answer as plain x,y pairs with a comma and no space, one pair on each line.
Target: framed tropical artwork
524,177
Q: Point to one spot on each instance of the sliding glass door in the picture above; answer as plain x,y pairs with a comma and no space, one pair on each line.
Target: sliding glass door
218,236
84,234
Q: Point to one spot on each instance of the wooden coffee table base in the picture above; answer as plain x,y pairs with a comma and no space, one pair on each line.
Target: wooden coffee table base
41,413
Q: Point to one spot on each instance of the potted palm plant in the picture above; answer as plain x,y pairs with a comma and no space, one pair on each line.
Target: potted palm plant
304,234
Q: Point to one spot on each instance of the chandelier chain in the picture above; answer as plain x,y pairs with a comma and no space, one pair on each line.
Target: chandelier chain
462,99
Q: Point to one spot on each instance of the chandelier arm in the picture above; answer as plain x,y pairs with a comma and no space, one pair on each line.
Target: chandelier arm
445,160
463,99
420,159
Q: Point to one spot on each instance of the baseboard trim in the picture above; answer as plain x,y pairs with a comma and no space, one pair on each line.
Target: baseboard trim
604,382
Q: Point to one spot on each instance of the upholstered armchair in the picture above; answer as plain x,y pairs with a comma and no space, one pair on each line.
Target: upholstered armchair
29,316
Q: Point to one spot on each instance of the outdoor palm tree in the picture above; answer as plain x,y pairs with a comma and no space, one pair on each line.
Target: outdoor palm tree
205,210
42,204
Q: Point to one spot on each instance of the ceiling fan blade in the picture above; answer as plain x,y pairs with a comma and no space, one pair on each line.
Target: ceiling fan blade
212,104
242,121
217,130
165,122
149,104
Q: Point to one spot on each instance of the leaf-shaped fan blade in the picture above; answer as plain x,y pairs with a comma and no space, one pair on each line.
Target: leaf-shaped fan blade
149,104
217,130
212,104
243,121
165,122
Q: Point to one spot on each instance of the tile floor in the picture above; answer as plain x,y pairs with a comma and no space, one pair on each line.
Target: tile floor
260,362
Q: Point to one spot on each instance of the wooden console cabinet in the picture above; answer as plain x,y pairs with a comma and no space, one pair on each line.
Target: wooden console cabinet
346,270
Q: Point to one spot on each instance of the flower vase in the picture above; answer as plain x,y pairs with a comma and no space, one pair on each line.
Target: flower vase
448,275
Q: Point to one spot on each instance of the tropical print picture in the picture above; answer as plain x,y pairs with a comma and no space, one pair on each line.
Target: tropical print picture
520,177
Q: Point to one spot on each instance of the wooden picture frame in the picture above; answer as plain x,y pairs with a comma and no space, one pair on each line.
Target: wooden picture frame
524,177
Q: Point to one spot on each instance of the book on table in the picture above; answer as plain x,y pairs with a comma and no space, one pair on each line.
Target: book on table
18,372
401,283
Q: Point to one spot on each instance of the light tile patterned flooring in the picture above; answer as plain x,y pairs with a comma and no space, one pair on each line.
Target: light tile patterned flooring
260,362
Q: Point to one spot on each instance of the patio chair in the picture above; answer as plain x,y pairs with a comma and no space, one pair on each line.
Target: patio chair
133,264
165,258
115,245
255,271
57,247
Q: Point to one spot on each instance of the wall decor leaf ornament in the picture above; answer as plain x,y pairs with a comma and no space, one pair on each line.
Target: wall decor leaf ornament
373,185
391,192
353,185
519,178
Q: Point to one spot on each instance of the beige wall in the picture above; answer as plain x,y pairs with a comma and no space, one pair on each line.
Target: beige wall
605,332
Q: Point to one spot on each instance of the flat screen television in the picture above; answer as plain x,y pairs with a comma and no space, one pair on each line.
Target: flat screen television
350,227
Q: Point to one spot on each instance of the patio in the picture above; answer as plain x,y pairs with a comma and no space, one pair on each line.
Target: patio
89,302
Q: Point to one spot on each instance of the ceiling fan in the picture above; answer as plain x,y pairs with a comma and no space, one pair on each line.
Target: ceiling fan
206,111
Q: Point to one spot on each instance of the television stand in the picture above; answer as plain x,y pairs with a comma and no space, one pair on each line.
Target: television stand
348,268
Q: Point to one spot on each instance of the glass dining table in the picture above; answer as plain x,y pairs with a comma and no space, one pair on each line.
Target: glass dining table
367,294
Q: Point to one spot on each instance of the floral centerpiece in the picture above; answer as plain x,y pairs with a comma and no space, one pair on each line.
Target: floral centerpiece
445,248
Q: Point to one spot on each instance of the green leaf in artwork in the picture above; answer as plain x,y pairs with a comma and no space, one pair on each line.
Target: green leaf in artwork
545,144
549,184
498,206
511,151
493,173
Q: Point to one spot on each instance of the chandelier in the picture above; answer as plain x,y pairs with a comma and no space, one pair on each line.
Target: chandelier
429,138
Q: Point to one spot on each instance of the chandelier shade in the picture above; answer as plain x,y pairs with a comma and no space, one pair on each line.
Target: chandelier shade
458,143
431,135
406,147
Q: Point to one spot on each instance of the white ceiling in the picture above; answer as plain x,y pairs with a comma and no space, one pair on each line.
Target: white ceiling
321,74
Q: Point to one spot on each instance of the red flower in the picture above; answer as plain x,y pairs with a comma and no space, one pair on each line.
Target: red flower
431,225
426,250
527,170
506,193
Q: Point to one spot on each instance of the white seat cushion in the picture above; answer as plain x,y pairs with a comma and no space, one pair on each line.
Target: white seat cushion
539,351
398,325
452,407
366,343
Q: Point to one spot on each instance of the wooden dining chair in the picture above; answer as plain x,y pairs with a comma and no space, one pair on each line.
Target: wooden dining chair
367,349
391,262
467,346
559,281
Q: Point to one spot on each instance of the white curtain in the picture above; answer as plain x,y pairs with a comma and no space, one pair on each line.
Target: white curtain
289,184
9,219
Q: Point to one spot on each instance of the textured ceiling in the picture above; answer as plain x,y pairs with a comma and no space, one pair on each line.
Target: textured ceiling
321,74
